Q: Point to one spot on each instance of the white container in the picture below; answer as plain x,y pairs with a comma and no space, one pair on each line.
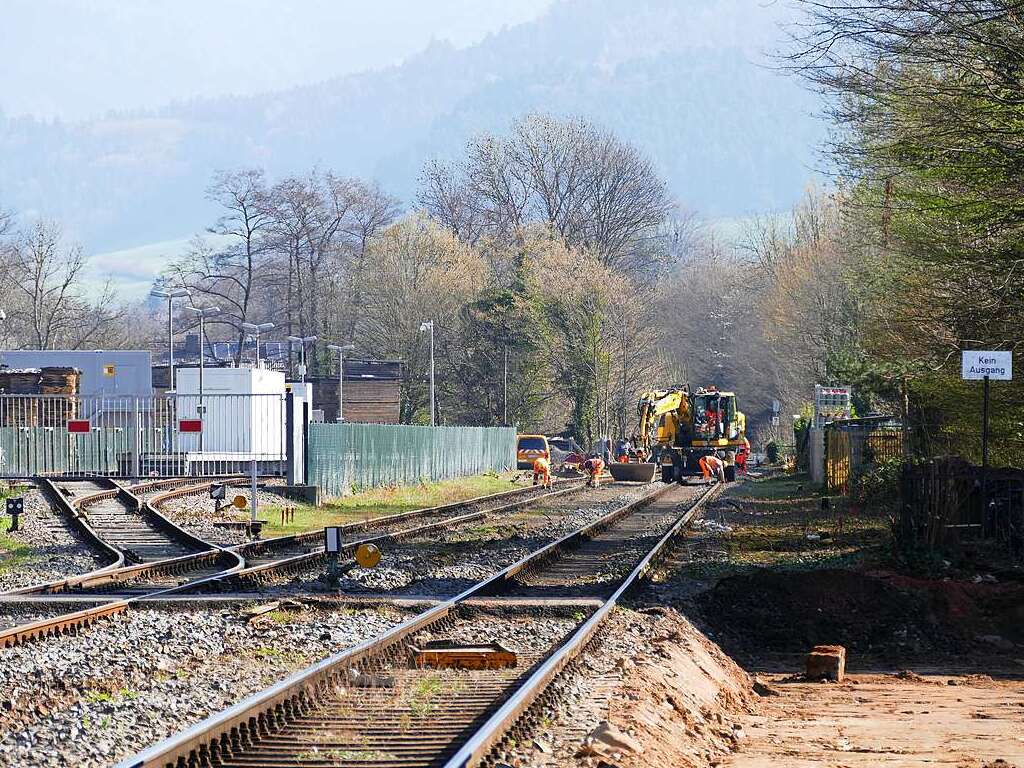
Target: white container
242,411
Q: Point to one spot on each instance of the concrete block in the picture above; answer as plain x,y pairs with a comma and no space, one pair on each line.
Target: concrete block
826,662
307,494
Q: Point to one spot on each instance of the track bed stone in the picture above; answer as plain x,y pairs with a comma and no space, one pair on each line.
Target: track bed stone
444,563
48,548
94,698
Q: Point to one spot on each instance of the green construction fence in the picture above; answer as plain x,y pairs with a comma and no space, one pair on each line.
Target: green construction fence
343,457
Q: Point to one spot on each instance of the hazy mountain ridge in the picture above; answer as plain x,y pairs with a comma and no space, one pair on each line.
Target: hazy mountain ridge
729,135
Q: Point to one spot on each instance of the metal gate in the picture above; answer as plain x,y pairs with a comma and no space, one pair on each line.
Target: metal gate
174,435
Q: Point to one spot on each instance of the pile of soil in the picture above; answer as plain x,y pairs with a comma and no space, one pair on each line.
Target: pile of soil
873,615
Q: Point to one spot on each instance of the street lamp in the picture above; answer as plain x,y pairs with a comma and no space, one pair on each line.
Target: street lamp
170,295
428,325
341,349
203,313
302,341
255,331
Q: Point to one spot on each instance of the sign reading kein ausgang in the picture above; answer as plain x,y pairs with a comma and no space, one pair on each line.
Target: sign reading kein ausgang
997,366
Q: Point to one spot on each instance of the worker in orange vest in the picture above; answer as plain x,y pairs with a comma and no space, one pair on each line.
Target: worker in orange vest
542,471
741,456
712,465
593,467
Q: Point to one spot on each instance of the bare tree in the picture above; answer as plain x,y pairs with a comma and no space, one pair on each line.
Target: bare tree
50,306
228,276
597,192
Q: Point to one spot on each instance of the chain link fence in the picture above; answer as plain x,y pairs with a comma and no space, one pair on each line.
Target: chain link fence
343,457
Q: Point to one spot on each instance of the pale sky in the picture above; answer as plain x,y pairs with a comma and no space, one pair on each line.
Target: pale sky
75,59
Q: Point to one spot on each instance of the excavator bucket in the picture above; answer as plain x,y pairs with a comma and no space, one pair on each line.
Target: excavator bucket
633,473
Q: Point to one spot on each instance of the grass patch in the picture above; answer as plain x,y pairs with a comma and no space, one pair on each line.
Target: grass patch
814,541
778,488
13,553
380,502
783,528
338,756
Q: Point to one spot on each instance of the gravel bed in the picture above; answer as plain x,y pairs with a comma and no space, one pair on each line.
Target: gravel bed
195,514
532,636
13,614
50,549
444,563
93,699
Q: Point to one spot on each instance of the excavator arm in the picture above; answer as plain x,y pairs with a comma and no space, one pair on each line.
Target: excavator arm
651,407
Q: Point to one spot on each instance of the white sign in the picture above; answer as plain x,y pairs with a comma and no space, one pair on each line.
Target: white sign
997,365
831,404
332,539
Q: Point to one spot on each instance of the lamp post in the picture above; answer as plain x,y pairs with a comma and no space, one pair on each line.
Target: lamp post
302,341
255,330
428,325
170,295
341,349
203,312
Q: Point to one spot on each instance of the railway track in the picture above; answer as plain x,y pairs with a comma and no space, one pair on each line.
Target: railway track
266,561
378,706
209,568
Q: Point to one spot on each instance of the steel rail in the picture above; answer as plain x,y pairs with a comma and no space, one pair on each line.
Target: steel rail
242,724
70,622
149,511
308,559
518,704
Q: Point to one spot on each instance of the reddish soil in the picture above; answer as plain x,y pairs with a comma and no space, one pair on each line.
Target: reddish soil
886,720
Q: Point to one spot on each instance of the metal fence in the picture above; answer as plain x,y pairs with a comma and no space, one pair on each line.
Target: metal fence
158,436
343,457
942,506
853,445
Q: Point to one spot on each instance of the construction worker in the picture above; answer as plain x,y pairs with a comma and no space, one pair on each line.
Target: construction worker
593,466
741,456
542,471
712,465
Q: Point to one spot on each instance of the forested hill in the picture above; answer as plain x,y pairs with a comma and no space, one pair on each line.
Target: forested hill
731,136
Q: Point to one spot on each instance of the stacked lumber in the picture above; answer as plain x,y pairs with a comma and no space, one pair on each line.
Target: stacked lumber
40,412
59,380
20,381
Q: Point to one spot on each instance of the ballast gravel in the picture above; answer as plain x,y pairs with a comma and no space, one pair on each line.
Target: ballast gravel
47,547
196,514
444,563
100,696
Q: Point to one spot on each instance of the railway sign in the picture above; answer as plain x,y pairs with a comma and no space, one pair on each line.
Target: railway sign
193,426
79,426
218,492
239,502
332,540
978,365
985,366
831,404
15,506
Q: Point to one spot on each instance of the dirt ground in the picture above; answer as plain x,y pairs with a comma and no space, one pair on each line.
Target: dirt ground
886,720
704,667
937,663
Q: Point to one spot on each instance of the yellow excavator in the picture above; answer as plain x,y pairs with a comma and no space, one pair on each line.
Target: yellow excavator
676,428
